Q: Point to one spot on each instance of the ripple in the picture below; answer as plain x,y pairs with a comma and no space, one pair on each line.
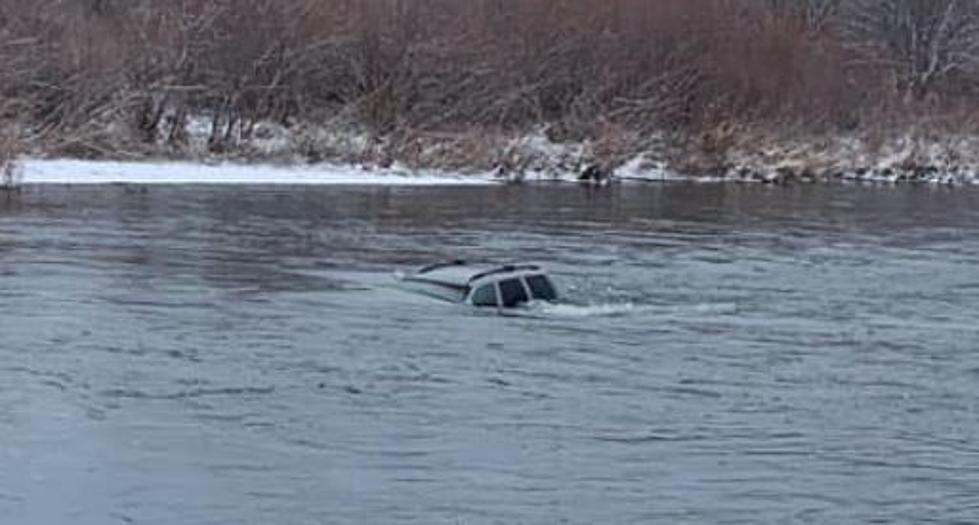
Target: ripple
125,393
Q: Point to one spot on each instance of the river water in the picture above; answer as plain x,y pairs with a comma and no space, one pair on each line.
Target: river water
725,354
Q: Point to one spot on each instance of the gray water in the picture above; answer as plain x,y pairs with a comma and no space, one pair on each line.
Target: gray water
727,354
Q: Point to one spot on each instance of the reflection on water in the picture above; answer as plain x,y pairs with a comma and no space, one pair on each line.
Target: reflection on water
727,354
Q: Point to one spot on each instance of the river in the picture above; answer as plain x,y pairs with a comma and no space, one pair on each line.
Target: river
724,354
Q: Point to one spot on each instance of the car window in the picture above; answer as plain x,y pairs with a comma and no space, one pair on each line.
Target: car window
512,292
541,288
485,296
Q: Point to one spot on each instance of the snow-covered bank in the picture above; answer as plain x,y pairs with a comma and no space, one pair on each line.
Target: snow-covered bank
917,158
34,171
945,160
87,172
752,158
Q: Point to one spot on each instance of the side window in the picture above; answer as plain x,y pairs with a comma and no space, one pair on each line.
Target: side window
541,288
512,293
484,296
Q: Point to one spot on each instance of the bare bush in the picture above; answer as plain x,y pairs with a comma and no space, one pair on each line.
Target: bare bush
922,42
111,77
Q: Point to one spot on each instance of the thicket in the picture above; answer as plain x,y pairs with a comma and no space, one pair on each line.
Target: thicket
100,77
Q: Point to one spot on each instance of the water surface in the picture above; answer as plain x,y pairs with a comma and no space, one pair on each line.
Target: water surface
729,354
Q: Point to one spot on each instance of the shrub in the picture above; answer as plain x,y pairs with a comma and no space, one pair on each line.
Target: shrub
577,67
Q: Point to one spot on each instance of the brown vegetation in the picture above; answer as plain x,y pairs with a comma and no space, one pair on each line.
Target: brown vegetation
122,77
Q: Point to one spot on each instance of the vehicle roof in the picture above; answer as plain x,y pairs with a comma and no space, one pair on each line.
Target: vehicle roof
461,274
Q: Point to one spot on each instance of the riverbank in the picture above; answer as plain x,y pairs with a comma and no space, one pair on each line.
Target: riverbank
742,91
303,154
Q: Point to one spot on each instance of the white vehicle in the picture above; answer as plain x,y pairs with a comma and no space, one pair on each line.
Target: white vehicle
504,286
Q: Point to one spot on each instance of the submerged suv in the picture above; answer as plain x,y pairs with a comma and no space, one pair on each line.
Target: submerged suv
504,286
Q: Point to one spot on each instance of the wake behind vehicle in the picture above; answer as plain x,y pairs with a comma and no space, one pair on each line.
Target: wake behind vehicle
501,286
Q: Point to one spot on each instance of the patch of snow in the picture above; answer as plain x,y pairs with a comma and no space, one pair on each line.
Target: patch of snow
270,138
536,158
36,171
641,168
198,129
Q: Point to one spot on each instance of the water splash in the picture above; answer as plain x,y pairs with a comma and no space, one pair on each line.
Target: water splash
627,309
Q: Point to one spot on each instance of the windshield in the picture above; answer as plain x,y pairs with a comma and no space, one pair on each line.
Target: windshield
541,288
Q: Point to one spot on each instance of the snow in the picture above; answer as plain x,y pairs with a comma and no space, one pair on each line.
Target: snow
950,161
640,168
36,171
